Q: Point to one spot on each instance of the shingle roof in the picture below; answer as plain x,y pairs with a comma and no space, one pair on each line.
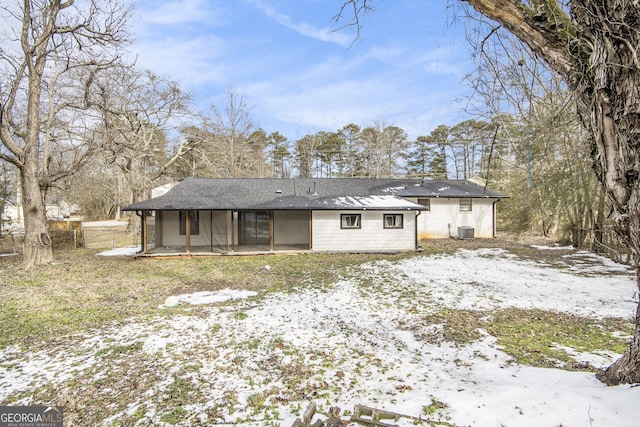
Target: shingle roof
306,194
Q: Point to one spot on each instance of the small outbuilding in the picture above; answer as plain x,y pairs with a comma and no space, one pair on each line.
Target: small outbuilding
229,215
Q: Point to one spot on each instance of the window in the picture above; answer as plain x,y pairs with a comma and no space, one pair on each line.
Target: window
465,205
426,203
194,223
393,220
350,221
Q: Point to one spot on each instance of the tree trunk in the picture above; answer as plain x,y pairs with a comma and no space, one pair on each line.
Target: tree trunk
595,49
139,194
608,102
37,243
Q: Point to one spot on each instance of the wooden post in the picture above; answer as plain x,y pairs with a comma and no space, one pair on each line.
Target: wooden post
187,221
233,231
271,231
143,234
310,230
228,219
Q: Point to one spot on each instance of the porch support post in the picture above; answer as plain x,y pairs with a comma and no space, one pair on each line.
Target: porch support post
188,230
158,229
228,219
143,232
271,231
310,230
493,220
234,215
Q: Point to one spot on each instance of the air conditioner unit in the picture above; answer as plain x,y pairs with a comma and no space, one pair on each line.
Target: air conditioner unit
465,232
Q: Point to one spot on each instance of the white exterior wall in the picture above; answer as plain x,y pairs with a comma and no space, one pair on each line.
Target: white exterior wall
434,224
372,236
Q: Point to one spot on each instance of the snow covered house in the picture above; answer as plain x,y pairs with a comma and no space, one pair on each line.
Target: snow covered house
224,215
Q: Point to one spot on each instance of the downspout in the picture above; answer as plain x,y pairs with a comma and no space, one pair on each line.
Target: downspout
418,213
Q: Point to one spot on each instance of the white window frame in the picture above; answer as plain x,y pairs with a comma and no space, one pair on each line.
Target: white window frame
393,221
351,221
466,205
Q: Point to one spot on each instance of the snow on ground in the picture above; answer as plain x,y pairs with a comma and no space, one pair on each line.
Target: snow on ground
127,251
361,340
101,224
209,297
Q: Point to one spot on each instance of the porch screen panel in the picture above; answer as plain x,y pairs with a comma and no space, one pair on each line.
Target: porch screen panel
219,228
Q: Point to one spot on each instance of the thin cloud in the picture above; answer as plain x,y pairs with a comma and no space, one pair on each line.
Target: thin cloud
323,34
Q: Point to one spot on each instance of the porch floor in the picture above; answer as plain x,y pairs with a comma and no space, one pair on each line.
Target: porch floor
222,250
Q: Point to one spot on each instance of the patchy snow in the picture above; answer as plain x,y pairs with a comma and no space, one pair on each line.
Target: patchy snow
212,297
375,202
363,340
554,247
101,224
128,251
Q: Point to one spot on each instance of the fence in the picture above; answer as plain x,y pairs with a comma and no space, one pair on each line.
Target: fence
92,238
11,243
95,238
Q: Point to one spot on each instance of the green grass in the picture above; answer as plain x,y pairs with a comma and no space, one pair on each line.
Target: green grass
81,291
117,350
532,337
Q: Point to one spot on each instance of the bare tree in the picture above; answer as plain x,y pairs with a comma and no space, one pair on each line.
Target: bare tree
540,152
593,45
52,52
239,144
138,109
383,147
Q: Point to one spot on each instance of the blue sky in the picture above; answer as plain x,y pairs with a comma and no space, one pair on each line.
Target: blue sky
298,74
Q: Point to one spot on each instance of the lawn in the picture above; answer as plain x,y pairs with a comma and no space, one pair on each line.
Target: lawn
463,333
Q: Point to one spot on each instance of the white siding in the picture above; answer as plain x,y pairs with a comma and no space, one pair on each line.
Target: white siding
372,236
445,216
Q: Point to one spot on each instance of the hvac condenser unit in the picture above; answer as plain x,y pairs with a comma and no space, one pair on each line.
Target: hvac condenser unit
465,232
